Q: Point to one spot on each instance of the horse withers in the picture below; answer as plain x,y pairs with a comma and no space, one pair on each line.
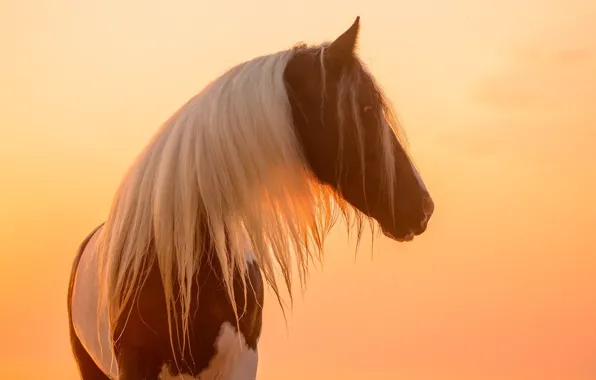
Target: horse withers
238,189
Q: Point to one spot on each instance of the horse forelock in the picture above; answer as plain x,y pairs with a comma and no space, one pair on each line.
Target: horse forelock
353,79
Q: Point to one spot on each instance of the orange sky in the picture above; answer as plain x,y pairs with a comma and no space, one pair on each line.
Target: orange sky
495,98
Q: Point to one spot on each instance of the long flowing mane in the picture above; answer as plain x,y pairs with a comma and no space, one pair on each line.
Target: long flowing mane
228,160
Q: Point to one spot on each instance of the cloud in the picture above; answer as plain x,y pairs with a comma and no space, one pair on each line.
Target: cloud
539,79
539,108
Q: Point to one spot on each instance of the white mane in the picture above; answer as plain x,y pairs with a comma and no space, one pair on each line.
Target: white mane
228,160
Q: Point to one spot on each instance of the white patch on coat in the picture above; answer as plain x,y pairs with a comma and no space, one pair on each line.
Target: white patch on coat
233,360
94,336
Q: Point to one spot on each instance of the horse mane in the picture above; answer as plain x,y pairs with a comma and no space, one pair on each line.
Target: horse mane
228,160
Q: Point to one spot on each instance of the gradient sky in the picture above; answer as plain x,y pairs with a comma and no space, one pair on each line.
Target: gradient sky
498,102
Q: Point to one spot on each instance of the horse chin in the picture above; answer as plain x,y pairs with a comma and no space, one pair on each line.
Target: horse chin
399,238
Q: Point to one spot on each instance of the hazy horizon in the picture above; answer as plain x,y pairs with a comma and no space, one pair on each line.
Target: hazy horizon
496,99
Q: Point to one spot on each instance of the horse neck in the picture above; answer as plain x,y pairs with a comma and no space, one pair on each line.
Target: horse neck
208,254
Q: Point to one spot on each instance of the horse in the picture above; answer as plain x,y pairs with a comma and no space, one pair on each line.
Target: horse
238,191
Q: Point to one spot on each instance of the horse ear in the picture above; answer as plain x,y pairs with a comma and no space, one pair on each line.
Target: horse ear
342,49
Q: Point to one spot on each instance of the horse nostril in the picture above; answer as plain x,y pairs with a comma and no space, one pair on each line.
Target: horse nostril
428,207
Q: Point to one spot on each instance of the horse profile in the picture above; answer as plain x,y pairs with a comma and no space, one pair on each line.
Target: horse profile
237,191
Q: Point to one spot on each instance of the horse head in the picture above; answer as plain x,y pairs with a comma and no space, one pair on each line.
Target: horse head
349,136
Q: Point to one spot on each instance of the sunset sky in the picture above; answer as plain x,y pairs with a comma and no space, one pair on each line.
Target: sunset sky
498,99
